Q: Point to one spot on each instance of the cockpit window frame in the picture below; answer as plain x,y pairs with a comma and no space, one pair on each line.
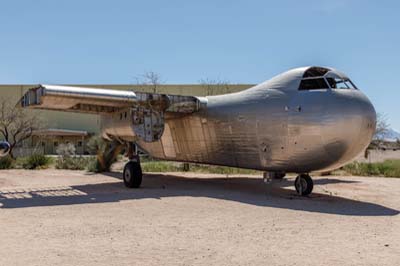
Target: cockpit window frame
352,84
347,82
330,74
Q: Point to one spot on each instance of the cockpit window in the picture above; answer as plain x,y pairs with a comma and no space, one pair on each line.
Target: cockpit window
316,78
313,84
338,83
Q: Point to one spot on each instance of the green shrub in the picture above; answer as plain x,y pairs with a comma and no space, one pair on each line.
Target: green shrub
36,161
159,166
388,168
6,162
215,169
72,163
94,166
96,144
67,159
165,166
107,153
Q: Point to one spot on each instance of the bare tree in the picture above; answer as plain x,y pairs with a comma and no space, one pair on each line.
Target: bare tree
17,124
211,85
382,126
151,79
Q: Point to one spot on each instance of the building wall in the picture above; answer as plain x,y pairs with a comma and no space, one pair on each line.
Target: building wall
91,123
49,144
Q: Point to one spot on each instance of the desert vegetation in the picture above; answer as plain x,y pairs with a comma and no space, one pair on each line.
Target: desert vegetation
17,124
106,154
31,162
149,165
67,158
388,168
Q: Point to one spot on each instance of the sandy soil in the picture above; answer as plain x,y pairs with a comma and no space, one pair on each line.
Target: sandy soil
56,217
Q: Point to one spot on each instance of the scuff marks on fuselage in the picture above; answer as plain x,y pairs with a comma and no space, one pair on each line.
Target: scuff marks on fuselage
265,128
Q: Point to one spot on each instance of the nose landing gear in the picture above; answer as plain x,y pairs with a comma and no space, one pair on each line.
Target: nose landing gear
304,184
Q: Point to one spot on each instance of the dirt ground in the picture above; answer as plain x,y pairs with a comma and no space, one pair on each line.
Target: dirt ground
56,217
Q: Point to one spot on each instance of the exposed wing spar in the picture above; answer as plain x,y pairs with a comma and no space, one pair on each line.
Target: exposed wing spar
103,101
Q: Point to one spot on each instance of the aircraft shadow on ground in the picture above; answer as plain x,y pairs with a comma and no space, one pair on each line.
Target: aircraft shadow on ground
238,189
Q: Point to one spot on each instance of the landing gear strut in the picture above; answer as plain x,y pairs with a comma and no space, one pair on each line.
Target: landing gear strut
304,184
132,171
269,177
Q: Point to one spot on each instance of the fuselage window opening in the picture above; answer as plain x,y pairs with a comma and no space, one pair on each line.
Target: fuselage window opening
313,84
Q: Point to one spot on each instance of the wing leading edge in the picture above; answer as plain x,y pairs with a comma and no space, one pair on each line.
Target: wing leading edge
105,101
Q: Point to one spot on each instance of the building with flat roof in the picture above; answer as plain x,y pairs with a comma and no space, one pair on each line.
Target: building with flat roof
66,127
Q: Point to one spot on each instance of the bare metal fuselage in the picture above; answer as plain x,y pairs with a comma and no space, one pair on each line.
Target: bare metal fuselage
270,130
305,119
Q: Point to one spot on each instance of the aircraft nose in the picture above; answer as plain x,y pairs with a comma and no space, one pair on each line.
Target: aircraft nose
4,148
352,126
360,123
367,112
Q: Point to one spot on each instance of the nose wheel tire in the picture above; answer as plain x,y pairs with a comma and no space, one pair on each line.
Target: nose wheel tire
132,175
304,184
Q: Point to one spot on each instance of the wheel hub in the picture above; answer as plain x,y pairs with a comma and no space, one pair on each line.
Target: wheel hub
127,176
303,184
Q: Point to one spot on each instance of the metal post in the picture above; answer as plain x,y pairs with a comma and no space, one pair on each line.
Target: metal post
186,167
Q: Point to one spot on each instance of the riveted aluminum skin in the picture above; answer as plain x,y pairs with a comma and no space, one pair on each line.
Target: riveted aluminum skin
272,127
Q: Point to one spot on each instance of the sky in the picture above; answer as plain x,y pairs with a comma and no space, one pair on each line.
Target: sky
113,42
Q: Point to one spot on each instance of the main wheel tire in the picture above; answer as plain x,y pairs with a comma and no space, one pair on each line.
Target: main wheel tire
132,175
304,184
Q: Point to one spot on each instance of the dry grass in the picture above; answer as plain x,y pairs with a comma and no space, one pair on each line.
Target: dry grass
388,168
165,166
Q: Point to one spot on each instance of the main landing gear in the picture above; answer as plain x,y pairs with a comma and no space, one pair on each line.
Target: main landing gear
132,174
132,171
304,184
